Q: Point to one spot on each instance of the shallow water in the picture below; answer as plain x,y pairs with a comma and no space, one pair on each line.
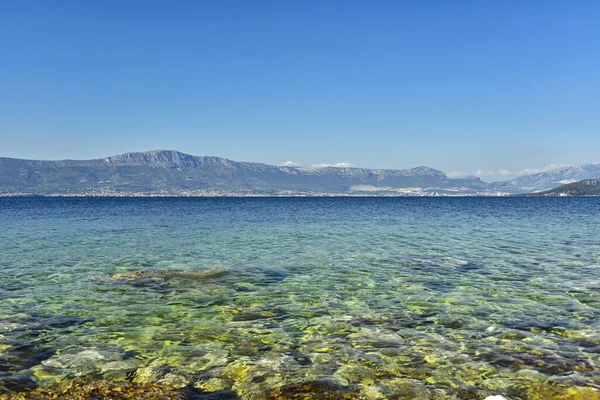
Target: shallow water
363,297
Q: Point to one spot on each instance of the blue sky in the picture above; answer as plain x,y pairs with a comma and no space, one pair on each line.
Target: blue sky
462,86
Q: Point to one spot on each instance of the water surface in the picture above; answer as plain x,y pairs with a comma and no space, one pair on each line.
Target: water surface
364,297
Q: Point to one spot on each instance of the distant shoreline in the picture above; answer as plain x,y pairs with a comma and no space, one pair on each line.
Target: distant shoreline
239,195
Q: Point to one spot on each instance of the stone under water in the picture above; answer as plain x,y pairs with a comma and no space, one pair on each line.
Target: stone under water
170,274
100,390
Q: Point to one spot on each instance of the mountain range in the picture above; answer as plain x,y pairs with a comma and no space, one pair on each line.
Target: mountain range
167,172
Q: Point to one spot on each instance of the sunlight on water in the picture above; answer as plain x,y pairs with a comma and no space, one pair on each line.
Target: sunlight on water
271,298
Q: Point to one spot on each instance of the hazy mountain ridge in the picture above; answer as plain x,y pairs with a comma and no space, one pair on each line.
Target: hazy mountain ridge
176,159
586,187
175,173
552,179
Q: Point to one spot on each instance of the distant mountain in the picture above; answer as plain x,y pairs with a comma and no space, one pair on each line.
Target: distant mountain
587,187
174,173
550,179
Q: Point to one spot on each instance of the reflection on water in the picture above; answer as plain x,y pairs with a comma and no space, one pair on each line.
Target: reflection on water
301,298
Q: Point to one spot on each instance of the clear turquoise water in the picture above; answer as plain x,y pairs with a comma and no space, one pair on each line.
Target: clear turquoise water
379,298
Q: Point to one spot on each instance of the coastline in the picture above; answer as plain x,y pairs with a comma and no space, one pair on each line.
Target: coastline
244,195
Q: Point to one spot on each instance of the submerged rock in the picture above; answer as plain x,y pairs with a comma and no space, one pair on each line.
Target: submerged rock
151,374
275,275
40,323
376,338
28,338
100,390
16,383
170,274
214,384
77,362
320,389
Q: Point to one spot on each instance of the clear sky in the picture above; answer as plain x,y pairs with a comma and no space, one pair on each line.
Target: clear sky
462,86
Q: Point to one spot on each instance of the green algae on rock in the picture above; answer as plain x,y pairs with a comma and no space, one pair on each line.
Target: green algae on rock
100,390
317,390
170,274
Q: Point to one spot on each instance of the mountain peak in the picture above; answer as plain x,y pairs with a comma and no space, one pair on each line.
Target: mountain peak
423,170
161,159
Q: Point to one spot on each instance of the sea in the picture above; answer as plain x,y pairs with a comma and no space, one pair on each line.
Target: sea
267,298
